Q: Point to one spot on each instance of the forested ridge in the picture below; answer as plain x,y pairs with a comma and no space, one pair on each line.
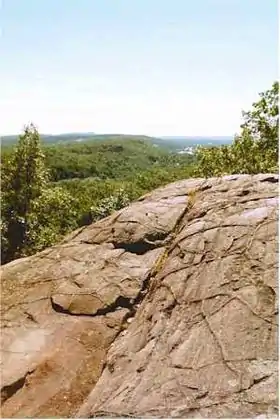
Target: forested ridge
47,190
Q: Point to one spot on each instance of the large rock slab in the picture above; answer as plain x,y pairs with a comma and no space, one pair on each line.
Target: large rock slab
167,308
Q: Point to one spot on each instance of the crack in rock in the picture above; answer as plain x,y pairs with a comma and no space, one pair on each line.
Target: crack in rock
9,390
120,302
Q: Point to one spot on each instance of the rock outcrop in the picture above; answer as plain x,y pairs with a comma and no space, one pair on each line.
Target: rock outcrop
167,308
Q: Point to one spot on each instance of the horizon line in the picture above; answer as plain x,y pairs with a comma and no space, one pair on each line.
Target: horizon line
89,133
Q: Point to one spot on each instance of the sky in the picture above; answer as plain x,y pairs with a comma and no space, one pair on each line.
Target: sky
154,67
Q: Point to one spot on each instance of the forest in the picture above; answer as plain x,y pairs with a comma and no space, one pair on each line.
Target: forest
49,189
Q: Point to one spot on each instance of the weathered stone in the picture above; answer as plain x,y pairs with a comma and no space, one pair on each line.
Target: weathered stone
167,308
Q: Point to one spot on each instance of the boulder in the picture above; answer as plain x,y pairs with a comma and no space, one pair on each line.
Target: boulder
167,308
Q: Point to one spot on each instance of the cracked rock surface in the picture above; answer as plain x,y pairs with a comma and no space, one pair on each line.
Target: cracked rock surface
167,308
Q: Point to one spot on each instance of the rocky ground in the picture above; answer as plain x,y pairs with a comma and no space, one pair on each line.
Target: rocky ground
167,308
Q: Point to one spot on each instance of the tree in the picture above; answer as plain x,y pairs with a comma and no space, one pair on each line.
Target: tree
24,177
262,122
255,150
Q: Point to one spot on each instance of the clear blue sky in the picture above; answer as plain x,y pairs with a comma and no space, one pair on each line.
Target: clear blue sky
156,67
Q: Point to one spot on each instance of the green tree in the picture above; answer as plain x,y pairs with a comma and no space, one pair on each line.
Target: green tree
255,150
262,122
24,177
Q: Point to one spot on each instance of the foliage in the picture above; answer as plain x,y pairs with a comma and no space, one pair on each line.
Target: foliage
255,150
52,215
262,122
24,177
112,159
107,205
33,215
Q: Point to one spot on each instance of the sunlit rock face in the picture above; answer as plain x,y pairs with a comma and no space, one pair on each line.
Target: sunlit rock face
167,308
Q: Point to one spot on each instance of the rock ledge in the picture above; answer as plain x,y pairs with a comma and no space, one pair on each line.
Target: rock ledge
167,308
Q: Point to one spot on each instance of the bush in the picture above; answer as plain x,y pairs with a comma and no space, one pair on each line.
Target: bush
108,205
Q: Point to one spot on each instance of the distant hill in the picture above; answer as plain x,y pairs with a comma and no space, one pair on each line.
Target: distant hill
74,137
51,138
171,142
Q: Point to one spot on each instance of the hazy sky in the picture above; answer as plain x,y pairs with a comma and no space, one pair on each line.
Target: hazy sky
156,67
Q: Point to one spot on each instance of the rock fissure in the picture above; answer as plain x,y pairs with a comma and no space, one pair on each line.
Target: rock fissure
109,414
9,390
272,179
219,344
139,248
120,302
